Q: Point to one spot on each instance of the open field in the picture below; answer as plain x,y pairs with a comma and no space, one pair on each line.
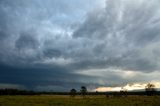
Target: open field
49,100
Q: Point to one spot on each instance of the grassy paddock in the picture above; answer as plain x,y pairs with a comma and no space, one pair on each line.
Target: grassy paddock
49,100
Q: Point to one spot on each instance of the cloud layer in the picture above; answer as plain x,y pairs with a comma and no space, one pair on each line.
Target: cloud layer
92,43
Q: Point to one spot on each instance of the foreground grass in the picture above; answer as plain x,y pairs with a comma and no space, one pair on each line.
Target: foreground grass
49,100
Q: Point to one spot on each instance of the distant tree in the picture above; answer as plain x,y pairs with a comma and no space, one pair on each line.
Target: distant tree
150,89
83,90
123,92
73,92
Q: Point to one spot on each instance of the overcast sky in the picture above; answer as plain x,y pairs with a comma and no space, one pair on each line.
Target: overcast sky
62,44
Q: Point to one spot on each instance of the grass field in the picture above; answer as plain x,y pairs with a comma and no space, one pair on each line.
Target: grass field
49,100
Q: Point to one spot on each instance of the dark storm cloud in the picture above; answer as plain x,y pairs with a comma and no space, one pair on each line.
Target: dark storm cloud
32,35
33,77
50,44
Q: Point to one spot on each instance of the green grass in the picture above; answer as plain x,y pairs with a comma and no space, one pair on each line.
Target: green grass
49,100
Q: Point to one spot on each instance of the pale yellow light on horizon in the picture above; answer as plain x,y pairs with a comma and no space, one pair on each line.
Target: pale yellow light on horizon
129,87
105,89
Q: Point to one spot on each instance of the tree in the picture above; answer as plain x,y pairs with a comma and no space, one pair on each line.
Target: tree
83,90
73,92
123,92
150,89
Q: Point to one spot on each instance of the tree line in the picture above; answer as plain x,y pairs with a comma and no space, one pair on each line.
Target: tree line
149,90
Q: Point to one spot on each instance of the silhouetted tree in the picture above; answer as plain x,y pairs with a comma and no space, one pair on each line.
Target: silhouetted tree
83,90
123,92
73,92
150,89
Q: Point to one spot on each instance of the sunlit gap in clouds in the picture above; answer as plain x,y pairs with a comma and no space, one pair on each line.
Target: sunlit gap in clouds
128,87
124,75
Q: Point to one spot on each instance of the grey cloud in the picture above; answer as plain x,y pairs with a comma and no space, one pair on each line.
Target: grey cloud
28,24
122,35
3,35
52,53
94,26
26,40
124,27
34,31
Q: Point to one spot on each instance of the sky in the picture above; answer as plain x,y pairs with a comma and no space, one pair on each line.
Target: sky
57,45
